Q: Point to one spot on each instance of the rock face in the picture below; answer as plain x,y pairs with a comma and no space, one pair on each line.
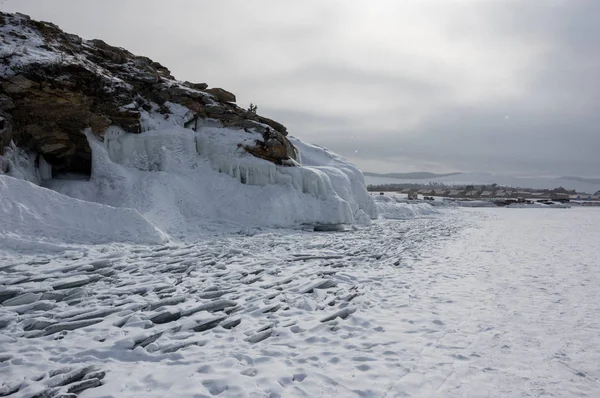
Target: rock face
274,147
53,85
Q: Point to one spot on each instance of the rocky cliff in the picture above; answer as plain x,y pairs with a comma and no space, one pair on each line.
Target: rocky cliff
53,85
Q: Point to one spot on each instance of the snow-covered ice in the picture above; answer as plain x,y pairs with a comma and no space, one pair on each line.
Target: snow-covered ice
458,302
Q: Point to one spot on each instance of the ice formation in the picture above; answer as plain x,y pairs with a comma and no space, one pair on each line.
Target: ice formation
20,164
187,183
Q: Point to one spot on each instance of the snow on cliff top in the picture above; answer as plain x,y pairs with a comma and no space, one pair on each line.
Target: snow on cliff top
23,45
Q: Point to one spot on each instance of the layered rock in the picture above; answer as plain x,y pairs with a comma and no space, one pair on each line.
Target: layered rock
53,85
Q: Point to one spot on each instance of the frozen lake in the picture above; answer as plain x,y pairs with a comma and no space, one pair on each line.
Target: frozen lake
486,302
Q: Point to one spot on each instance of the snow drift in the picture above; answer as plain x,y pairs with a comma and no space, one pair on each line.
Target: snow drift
33,216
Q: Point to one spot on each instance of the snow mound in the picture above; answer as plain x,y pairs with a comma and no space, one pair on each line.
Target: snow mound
33,216
187,182
392,209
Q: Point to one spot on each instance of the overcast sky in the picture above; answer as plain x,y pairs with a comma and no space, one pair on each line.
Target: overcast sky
509,87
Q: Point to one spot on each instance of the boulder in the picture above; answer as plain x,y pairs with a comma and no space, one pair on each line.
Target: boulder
220,94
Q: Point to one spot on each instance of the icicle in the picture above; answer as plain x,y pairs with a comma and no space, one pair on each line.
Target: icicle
45,169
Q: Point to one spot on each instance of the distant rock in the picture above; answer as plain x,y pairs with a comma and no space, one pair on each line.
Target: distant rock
53,85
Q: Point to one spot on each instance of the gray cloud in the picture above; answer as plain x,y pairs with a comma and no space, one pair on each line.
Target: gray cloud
499,85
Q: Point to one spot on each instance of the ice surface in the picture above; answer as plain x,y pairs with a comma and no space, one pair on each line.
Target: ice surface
460,302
